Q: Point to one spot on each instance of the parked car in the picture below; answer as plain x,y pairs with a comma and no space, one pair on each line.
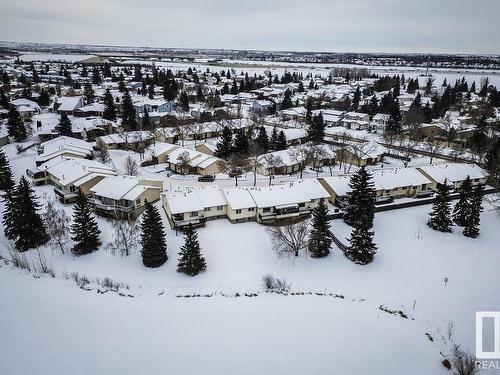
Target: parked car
206,178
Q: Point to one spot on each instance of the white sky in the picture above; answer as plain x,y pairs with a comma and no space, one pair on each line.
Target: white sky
454,26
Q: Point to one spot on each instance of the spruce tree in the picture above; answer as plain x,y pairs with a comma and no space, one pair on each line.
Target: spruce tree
287,100
471,227
360,210
15,125
191,261
129,121
109,107
23,224
88,93
184,101
320,238
281,142
154,247
262,139
6,178
440,215
84,230
461,211
146,121
362,248
273,143
241,143
64,128
316,130
224,147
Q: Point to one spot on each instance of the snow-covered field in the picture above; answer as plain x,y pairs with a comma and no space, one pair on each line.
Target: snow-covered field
49,324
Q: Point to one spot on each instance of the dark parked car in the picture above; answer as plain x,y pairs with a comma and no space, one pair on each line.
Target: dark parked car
206,178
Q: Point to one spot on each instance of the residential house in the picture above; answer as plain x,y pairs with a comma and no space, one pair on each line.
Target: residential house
356,121
124,196
133,140
63,146
454,174
68,104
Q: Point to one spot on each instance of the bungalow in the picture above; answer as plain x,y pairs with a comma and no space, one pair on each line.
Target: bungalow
63,146
362,154
143,103
194,206
296,113
183,160
356,121
124,196
454,174
93,109
331,117
134,140
294,136
288,201
240,205
70,175
26,108
68,104
208,148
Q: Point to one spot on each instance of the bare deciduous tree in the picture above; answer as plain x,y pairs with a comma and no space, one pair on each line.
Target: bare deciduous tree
289,239
103,154
126,237
57,224
433,148
130,166
183,162
235,166
300,156
272,163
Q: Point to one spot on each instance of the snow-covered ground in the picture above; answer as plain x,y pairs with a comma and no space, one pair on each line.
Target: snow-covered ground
49,325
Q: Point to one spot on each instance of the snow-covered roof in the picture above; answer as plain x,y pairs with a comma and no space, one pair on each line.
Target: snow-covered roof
302,191
64,145
181,202
389,179
453,172
127,137
239,198
75,171
69,103
125,187
339,184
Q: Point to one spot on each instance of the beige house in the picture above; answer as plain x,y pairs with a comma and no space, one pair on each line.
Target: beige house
240,205
454,174
194,206
135,140
124,196
63,146
70,175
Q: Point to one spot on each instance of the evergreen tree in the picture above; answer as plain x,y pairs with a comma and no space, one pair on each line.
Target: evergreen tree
440,215
241,143
146,121
224,147
287,100
262,139
320,238
191,261
96,76
394,123
6,178
492,161
15,125
64,126
154,247
471,228
362,248
273,143
129,121
281,142
23,224
84,230
461,211
4,100
316,130
184,101
109,107
360,210
88,93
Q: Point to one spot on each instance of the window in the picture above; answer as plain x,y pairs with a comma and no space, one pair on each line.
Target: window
303,204
238,211
219,208
138,202
193,214
267,209
251,209
208,208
